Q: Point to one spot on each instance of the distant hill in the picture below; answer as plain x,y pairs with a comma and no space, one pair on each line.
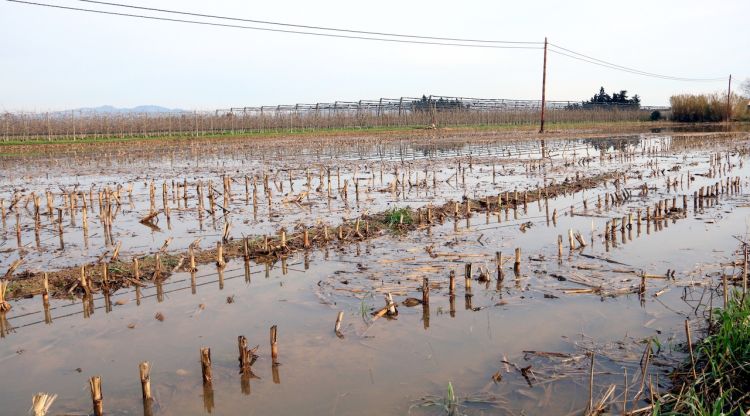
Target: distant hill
141,109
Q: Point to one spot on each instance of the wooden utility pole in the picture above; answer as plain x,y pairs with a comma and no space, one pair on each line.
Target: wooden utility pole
729,99
544,85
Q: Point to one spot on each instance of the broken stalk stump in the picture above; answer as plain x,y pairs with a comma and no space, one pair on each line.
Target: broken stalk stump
274,346
145,373
220,254
4,305
41,402
206,365
136,270
95,383
499,260
452,283
45,285
390,307
245,354
337,327
191,253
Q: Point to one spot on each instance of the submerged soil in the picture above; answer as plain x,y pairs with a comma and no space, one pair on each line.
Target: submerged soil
506,340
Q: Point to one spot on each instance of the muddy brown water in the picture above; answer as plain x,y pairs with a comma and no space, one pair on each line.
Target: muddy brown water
429,169
402,365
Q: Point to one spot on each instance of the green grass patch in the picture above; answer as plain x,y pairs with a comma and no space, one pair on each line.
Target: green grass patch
270,133
398,216
722,385
451,404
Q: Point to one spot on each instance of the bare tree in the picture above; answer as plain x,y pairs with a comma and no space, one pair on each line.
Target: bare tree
745,87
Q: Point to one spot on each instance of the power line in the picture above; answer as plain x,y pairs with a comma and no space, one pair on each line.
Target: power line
359,35
331,29
600,62
596,63
669,78
297,32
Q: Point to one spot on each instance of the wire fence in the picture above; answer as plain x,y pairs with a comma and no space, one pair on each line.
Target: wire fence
437,102
439,111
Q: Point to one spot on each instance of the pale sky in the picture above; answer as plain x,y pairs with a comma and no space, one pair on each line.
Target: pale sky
57,59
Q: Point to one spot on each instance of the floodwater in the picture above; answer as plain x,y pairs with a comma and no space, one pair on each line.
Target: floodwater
587,300
298,174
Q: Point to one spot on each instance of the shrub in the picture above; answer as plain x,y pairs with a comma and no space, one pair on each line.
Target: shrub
696,108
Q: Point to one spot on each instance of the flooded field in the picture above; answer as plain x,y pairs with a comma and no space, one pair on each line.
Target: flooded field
448,275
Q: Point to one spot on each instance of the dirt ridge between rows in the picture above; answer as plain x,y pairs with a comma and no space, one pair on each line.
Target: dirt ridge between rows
67,282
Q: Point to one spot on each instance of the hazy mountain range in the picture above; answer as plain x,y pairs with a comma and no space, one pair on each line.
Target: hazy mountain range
141,109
